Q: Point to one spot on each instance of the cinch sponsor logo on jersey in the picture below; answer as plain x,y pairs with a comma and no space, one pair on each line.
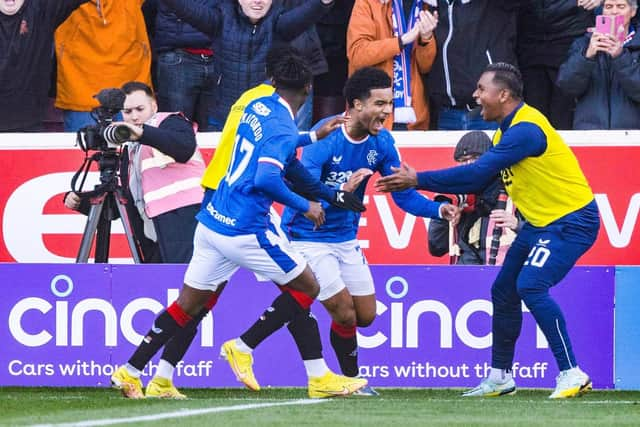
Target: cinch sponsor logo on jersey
254,124
405,322
60,318
219,217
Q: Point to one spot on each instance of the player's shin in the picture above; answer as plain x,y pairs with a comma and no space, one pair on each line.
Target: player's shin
344,343
283,309
164,327
177,346
304,330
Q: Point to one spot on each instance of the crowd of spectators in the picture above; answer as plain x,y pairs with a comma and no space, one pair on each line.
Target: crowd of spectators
200,55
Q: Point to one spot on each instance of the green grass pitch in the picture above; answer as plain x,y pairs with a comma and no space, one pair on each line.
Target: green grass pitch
290,407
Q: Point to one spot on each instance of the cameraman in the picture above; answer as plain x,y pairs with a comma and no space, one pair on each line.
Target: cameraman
161,168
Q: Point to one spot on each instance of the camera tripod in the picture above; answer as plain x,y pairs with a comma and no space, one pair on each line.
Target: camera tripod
107,202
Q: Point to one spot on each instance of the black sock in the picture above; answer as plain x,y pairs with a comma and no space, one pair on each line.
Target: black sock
164,327
177,346
304,330
346,349
281,311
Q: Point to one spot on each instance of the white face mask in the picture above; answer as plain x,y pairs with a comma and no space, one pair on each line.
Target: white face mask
10,7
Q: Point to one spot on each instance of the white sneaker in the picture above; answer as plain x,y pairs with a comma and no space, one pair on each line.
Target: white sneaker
488,388
571,383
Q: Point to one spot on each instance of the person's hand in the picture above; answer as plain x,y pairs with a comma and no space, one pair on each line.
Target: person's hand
603,43
504,219
331,125
596,45
427,23
613,46
315,214
450,213
356,179
403,177
589,4
72,201
136,131
411,35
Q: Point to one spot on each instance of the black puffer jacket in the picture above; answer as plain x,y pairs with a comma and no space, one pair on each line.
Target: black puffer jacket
173,33
26,39
470,35
308,43
546,29
608,90
241,47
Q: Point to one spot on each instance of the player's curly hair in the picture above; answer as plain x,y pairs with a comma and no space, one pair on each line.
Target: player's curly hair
287,68
508,76
360,84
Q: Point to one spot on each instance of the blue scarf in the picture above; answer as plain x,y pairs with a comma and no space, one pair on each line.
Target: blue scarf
403,112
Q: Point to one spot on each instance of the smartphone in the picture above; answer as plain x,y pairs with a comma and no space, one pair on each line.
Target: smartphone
606,24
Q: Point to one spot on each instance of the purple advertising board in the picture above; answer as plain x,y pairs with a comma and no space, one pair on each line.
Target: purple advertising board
71,325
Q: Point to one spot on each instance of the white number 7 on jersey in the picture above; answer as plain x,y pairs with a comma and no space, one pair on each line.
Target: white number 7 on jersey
245,150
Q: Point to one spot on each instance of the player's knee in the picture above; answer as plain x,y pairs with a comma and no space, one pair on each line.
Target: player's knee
306,283
532,294
365,319
345,318
502,296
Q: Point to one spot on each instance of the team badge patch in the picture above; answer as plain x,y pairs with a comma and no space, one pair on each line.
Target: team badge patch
372,157
261,109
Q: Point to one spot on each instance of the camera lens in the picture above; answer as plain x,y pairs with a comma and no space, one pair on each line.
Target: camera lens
116,134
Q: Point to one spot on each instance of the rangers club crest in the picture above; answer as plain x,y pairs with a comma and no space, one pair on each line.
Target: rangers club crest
372,157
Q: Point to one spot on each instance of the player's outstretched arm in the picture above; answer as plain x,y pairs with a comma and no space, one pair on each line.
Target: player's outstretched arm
330,125
269,181
311,188
402,178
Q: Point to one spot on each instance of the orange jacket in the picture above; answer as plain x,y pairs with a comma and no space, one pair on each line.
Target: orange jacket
370,42
103,44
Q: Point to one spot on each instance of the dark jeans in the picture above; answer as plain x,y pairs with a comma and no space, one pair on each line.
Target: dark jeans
463,119
175,230
186,82
541,92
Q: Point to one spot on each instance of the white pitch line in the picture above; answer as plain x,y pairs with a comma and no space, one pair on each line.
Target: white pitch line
179,414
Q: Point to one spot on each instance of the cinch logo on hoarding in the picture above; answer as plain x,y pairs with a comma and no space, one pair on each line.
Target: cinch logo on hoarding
405,328
68,327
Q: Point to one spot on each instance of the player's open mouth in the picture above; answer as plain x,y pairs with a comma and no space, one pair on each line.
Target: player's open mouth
379,124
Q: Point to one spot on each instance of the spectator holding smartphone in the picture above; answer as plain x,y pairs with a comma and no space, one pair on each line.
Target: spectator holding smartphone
603,72
546,30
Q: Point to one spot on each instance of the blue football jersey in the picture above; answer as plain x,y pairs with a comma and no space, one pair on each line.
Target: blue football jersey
333,160
266,133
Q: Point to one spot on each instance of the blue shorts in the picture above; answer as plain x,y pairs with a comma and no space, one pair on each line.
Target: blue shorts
542,256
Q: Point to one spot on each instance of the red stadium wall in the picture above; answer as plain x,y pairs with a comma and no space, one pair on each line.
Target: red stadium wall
37,169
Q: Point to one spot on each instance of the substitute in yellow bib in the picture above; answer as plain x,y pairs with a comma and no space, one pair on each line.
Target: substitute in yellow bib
543,177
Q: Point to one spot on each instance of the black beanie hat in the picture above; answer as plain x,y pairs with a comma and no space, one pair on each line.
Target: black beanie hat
473,143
